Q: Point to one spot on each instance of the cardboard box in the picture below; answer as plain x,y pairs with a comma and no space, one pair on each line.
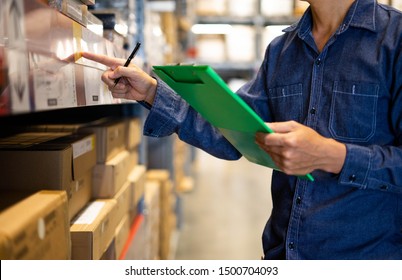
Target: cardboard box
110,253
137,248
123,198
35,226
134,158
108,178
241,8
133,133
272,8
206,43
74,9
166,209
241,51
51,161
110,137
93,230
80,194
121,235
211,8
94,24
137,179
152,220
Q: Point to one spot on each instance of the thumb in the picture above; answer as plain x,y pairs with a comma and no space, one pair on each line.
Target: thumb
282,127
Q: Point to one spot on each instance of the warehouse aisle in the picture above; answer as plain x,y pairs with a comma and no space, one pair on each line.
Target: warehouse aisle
224,215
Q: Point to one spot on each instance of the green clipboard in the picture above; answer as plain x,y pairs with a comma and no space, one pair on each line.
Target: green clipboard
208,94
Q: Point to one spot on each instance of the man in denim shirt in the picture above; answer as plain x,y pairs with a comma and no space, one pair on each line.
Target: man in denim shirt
331,89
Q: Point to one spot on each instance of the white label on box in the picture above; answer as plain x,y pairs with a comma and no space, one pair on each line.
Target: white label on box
82,147
90,213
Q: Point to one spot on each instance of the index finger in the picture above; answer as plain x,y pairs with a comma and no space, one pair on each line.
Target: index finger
111,62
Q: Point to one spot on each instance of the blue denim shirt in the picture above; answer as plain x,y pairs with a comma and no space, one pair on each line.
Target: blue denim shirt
351,91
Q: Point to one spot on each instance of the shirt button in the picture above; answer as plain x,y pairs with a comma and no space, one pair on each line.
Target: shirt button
318,62
313,111
352,178
298,200
291,246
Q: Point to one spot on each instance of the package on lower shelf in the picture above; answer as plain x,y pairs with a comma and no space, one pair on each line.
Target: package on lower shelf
152,220
34,226
110,137
137,179
56,161
93,230
166,210
123,202
121,235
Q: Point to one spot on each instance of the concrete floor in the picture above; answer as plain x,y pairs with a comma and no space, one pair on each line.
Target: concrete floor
224,215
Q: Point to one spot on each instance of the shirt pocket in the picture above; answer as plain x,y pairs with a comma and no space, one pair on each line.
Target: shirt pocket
286,102
353,111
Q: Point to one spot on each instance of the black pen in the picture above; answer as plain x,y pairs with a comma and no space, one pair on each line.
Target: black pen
132,55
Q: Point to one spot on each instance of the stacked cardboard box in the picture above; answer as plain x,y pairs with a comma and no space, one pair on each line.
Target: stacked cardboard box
152,221
167,216
182,164
34,225
93,229
36,161
118,177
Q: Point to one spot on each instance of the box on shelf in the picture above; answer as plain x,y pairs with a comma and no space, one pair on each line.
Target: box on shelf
244,50
123,202
34,226
110,137
74,9
121,235
152,220
54,82
206,43
93,229
55,161
110,253
134,158
137,179
94,24
138,247
108,178
211,7
241,8
133,132
274,8
166,209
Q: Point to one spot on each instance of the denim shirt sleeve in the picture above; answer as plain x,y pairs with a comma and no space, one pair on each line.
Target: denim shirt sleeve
172,114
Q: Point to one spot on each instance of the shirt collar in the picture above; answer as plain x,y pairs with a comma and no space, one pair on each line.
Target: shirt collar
361,15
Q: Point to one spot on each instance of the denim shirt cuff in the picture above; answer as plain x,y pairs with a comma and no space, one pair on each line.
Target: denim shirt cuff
161,121
357,166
